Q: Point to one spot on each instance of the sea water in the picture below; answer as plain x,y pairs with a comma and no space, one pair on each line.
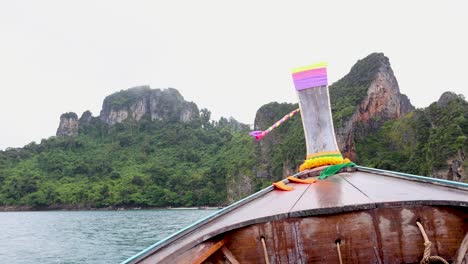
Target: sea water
86,236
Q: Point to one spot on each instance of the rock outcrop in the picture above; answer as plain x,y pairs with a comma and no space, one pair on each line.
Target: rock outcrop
446,98
86,118
167,104
274,158
68,126
134,104
456,169
456,165
382,102
238,187
361,102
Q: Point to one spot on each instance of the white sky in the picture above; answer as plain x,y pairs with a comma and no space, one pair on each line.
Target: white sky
228,56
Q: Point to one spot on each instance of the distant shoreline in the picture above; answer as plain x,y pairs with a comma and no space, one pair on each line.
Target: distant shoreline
11,208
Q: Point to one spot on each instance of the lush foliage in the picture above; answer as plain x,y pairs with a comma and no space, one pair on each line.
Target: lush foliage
284,148
125,98
421,142
198,163
149,163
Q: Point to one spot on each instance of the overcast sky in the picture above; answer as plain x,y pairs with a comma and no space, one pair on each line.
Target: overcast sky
228,56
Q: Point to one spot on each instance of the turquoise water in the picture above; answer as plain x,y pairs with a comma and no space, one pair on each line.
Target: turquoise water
86,236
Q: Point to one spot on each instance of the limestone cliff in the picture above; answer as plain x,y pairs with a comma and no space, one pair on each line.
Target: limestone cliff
68,125
133,104
446,98
455,167
86,118
430,141
167,104
279,153
377,99
361,102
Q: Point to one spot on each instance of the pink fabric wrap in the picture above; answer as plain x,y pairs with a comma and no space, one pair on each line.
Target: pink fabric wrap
309,73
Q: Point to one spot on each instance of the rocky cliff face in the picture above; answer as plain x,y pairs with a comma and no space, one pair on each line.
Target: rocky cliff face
68,126
86,118
133,104
456,168
361,102
446,98
456,165
382,101
167,104
279,153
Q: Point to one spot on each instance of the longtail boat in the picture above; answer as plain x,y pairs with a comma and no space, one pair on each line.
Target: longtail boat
351,214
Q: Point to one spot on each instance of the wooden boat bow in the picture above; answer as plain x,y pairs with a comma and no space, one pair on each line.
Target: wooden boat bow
362,191
360,215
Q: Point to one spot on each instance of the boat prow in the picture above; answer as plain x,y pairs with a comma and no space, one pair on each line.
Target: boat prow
371,214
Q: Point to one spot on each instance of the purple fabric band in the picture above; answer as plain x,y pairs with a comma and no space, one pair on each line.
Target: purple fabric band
310,82
310,73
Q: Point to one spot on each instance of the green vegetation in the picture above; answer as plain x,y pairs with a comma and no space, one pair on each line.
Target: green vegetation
347,93
283,148
124,98
171,163
149,163
421,142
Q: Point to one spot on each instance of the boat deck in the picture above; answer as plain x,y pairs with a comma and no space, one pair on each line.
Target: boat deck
344,192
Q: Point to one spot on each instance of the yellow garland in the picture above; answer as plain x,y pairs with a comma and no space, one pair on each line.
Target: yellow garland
321,161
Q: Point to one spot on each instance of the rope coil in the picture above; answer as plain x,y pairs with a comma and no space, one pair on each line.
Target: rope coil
427,258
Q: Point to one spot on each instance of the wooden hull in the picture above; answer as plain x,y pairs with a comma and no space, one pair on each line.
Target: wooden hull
381,235
372,214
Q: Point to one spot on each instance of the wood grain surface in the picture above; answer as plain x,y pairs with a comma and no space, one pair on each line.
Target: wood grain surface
381,235
364,193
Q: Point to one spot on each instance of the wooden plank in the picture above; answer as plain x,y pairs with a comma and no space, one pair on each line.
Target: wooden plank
333,195
413,177
228,254
402,241
207,253
390,190
280,238
272,206
308,240
382,235
187,256
340,193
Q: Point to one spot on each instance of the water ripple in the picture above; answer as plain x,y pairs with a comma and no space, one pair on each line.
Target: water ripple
86,236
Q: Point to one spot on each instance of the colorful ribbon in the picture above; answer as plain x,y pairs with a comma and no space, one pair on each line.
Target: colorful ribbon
333,169
260,134
310,76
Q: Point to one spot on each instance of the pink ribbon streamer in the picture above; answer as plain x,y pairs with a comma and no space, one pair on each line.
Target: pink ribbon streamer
260,134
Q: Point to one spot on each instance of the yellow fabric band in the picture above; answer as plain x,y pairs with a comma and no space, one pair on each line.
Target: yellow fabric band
310,67
321,161
318,154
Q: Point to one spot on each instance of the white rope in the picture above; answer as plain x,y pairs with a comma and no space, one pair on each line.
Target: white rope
427,258
339,251
265,251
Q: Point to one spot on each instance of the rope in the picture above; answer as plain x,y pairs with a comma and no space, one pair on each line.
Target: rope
260,134
265,251
339,252
427,258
